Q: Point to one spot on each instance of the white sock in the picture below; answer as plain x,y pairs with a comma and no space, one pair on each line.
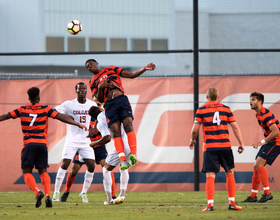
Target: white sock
59,179
87,181
107,183
124,177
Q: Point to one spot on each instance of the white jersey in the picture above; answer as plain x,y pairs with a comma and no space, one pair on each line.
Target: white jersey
80,114
102,126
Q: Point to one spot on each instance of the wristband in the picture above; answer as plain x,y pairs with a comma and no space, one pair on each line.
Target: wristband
263,141
192,140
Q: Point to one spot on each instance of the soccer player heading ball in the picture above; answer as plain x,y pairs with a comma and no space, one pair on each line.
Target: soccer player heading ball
106,85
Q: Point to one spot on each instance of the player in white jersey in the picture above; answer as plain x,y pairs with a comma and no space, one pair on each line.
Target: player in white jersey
113,158
76,140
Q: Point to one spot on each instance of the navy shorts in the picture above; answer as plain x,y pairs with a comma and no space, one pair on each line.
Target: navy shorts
213,158
100,154
34,154
269,152
117,109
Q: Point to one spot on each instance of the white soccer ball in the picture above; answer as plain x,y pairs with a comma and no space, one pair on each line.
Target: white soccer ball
74,27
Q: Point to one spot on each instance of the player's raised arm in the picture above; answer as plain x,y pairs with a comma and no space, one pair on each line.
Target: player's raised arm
68,120
134,74
104,140
100,93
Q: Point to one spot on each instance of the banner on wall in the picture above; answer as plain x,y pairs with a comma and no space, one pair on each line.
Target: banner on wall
163,117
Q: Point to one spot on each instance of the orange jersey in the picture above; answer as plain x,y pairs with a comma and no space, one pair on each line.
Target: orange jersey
34,122
97,134
214,118
112,73
266,119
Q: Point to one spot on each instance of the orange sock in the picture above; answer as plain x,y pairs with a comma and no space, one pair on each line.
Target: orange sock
256,181
46,182
120,148
113,185
131,137
264,180
31,183
69,182
210,189
231,188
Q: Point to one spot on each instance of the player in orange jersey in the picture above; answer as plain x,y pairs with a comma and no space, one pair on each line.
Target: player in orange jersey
34,124
270,148
214,118
106,85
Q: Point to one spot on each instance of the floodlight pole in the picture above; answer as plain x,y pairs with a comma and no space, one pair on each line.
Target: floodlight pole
196,89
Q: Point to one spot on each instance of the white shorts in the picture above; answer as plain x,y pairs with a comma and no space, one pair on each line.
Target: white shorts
85,151
113,158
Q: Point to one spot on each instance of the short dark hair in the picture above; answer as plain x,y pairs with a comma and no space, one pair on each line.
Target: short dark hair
258,95
80,83
89,60
94,111
33,93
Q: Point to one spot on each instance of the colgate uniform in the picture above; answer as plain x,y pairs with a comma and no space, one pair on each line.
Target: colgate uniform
100,151
76,138
113,157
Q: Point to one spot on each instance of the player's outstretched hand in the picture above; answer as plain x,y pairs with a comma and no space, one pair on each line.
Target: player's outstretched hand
240,149
92,131
83,127
256,145
192,143
93,144
105,83
150,66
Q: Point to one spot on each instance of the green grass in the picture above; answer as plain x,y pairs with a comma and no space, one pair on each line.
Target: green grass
137,205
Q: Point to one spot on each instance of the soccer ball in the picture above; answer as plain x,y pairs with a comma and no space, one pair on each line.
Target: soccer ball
74,27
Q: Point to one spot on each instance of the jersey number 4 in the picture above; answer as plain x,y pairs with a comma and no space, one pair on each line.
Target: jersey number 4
216,118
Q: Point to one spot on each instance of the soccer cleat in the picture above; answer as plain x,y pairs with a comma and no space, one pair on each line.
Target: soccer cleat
125,165
55,197
133,159
64,196
114,197
119,200
208,208
112,202
84,197
265,198
38,198
250,199
48,202
234,207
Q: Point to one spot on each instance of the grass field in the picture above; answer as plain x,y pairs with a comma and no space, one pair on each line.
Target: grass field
137,205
